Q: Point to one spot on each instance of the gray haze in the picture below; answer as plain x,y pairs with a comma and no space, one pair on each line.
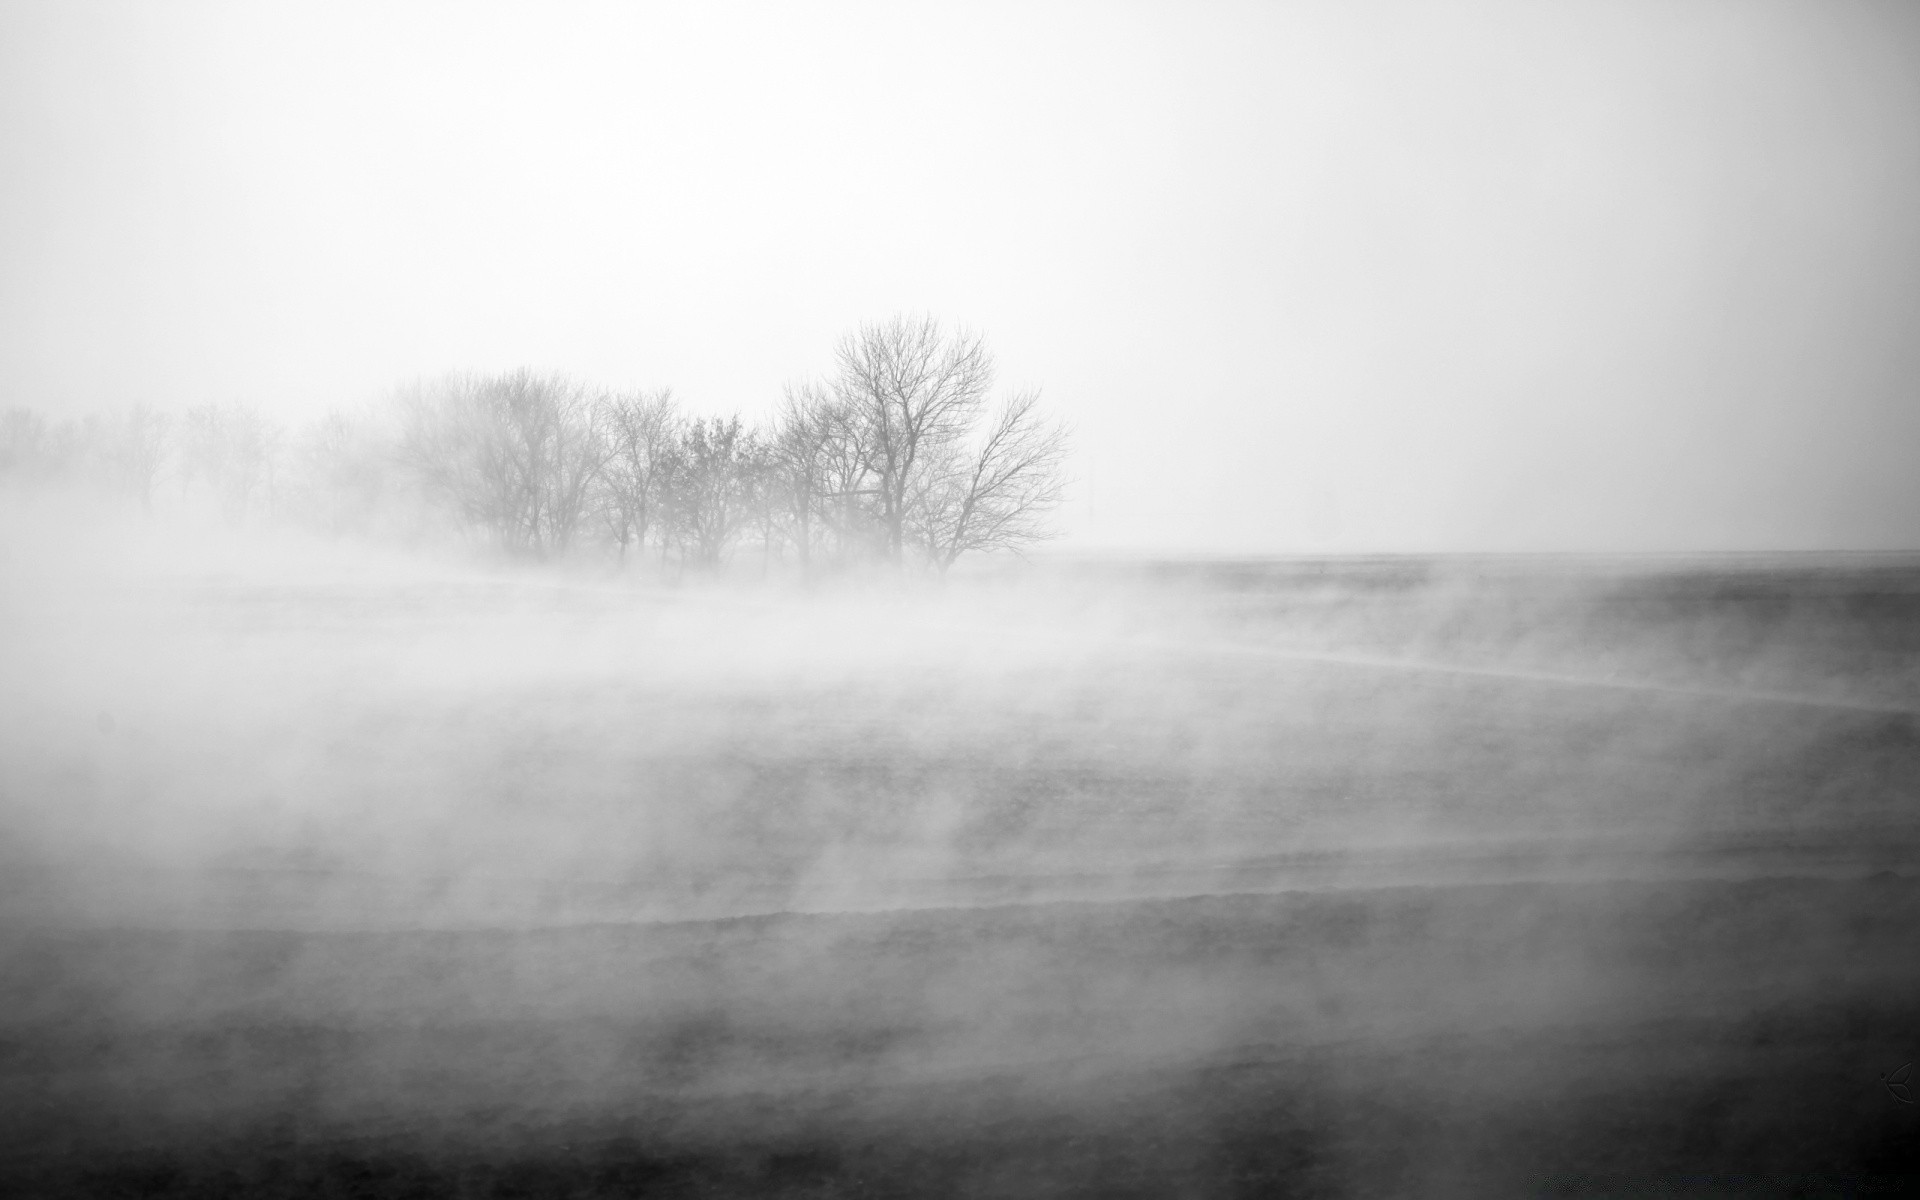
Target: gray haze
425,873
1387,277
534,659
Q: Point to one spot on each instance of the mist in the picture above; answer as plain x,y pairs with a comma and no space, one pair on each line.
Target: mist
448,862
733,600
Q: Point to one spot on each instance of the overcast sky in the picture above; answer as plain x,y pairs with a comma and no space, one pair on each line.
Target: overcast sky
1339,276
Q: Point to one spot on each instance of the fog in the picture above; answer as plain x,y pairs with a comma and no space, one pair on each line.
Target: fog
310,733
992,600
315,839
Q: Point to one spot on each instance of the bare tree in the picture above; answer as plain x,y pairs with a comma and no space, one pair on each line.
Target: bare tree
460,451
850,497
580,449
641,432
32,452
916,460
203,449
801,453
910,390
517,454
234,450
712,480
343,473
120,453
995,491
129,448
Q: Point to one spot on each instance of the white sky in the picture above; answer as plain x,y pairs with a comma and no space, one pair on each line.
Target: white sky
1311,277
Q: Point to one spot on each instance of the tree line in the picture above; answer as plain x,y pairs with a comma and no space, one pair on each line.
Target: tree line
901,455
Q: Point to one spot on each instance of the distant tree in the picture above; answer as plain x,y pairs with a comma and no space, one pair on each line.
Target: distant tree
120,453
581,449
898,455
910,390
917,460
994,490
641,432
711,486
466,450
132,447
850,507
518,454
31,451
343,473
800,467
233,449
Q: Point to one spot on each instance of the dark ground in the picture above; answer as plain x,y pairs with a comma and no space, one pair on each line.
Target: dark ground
1694,1038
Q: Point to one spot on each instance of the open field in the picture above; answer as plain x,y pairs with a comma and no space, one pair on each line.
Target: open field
1370,878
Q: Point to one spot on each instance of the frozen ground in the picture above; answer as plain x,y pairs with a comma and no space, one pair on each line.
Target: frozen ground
1394,877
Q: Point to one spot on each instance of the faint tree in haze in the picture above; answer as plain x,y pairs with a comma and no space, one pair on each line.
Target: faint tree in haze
911,390
518,454
132,446
641,432
850,496
31,451
233,449
712,479
913,457
581,449
899,456
800,468
120,453
465,448
767,516
343,473
994,490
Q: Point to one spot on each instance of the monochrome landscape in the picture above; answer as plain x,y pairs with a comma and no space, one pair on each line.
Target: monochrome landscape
1292,601
356,874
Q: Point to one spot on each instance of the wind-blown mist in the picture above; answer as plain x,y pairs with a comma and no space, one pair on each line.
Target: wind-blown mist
385,742
519,678
418,847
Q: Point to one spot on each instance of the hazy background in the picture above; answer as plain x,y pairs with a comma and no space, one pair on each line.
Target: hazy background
1307,277
340,855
